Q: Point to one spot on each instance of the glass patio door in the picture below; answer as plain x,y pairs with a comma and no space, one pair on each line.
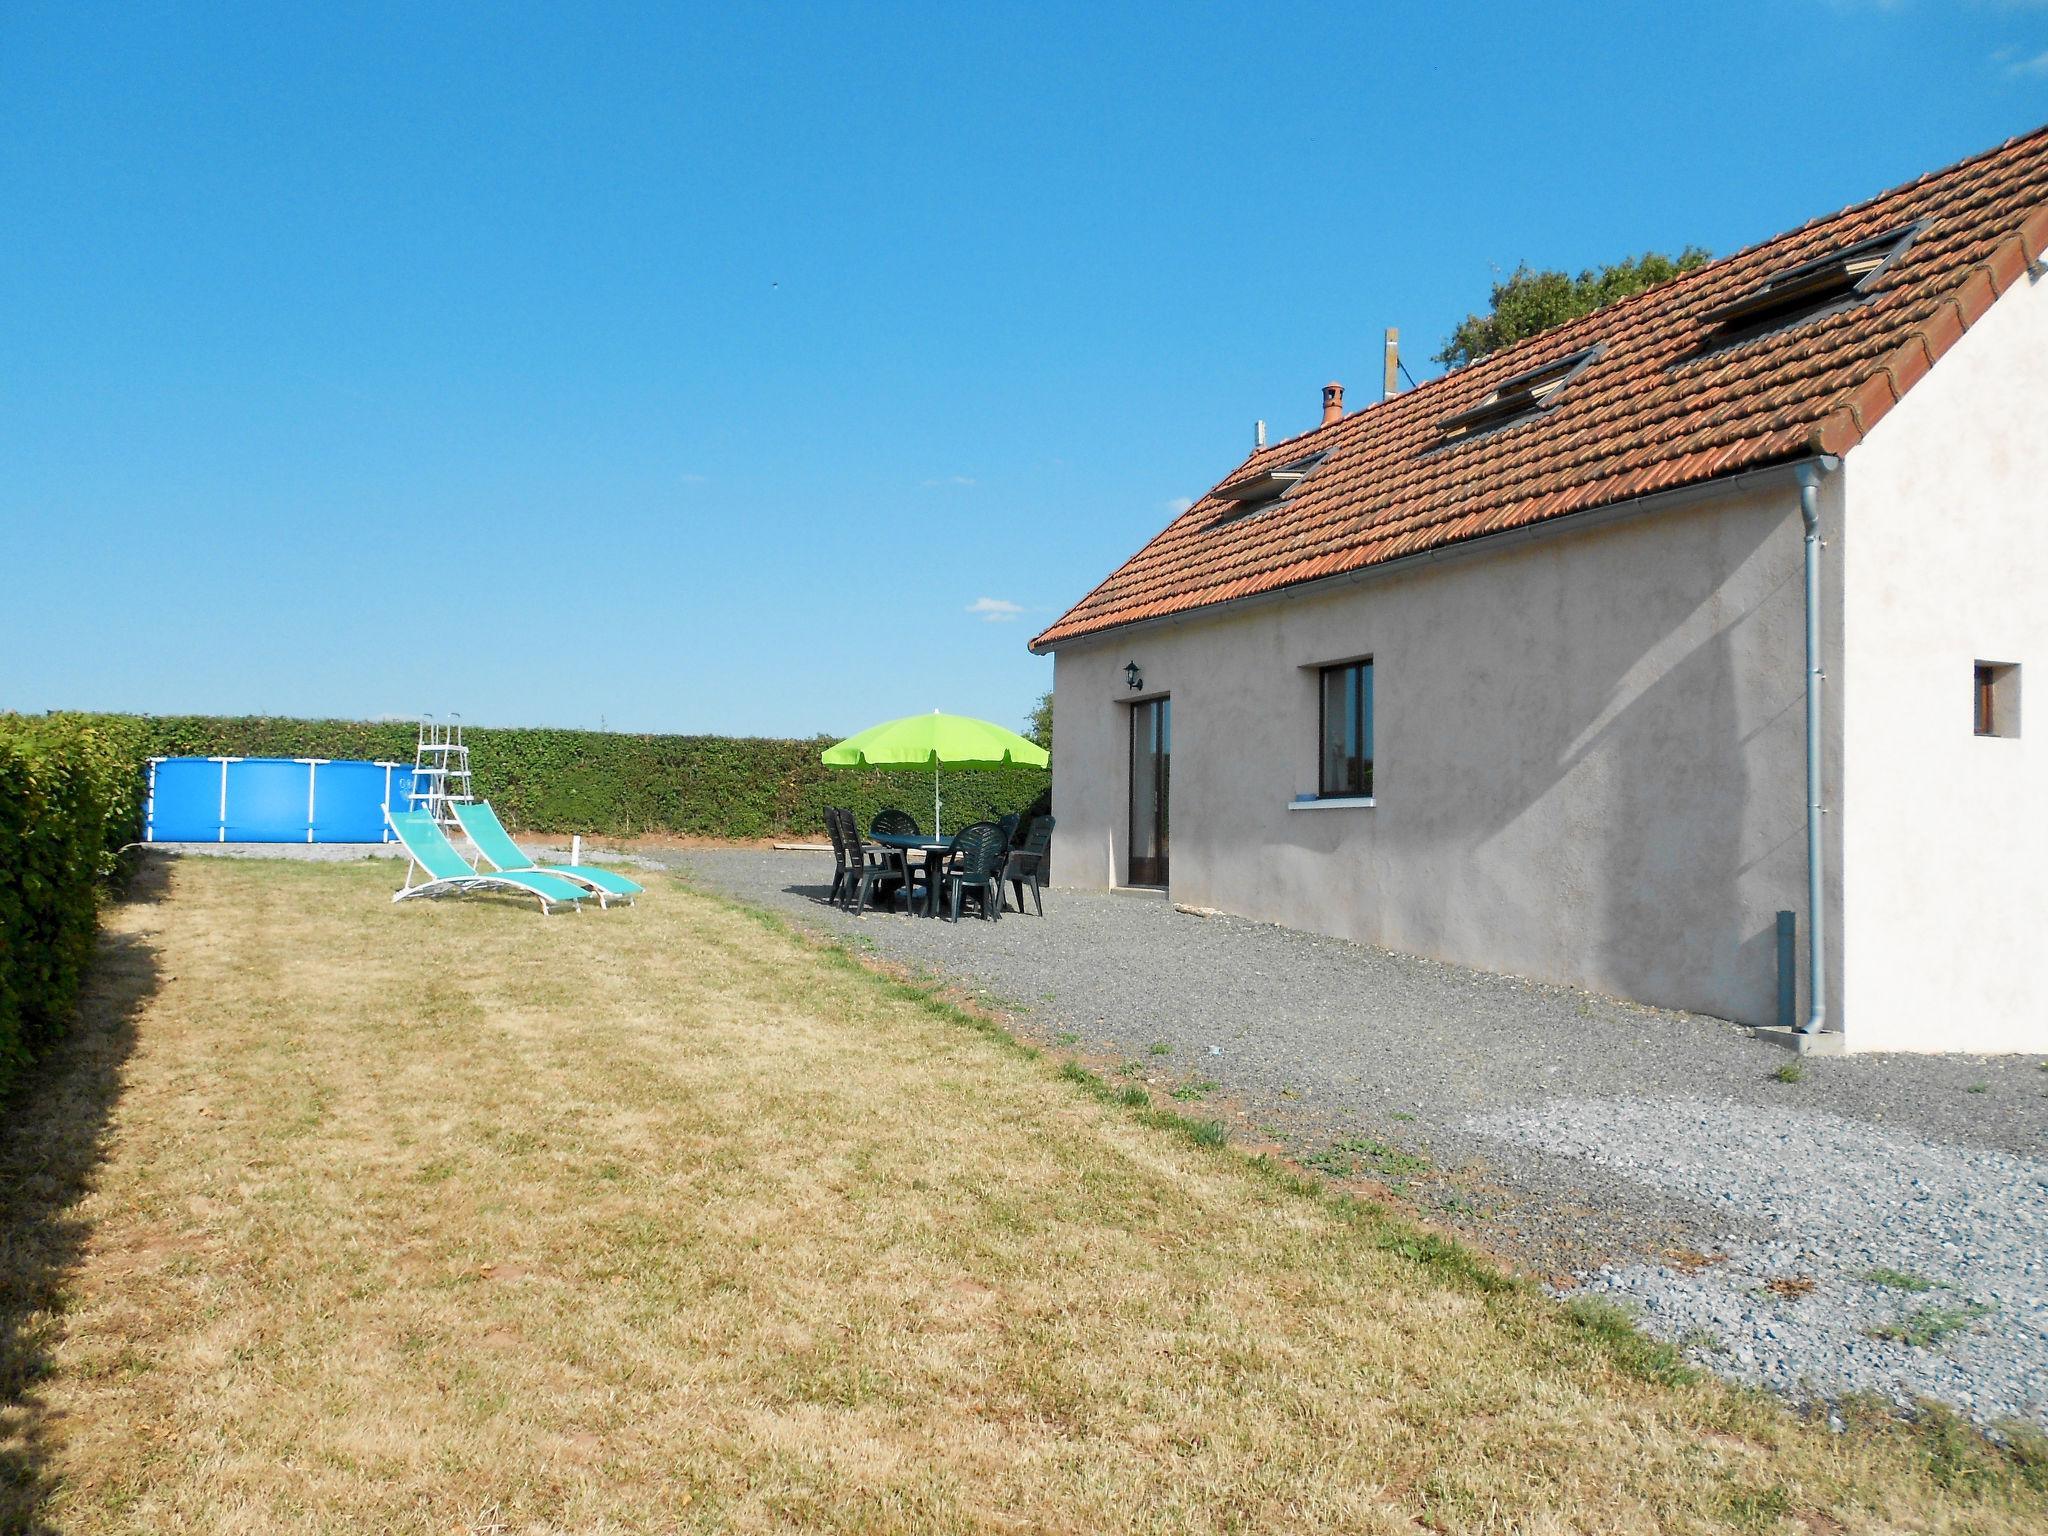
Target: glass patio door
1151,770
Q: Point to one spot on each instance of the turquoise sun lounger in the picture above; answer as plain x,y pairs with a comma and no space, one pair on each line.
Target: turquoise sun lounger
447,874
495,844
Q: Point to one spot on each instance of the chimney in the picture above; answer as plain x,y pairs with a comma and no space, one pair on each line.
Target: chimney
1333,402
1259,436
1392,387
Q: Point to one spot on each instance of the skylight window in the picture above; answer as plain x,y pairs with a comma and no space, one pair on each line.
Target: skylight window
1518,398
1256,492
1813,288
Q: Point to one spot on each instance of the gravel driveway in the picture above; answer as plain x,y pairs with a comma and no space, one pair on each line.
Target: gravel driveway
1649,1155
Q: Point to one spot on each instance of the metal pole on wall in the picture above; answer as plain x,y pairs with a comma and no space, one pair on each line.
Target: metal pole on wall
1816,882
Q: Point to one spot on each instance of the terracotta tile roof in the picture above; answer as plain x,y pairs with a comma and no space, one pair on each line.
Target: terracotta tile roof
1651,412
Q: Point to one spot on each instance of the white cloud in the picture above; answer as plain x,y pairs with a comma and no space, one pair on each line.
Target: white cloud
693,479
1180,504
2037,65
994,610
945,480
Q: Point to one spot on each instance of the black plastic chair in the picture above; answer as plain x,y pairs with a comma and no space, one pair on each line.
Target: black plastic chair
880,870
832,815
1028,861
971,869
1009,825
844,835
900,823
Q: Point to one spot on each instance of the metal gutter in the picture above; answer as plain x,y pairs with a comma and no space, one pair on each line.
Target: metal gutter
1484,544
1810,475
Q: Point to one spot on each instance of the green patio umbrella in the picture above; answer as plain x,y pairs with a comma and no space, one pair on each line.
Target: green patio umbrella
954,741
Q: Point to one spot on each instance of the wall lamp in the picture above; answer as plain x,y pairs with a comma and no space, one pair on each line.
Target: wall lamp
1133,676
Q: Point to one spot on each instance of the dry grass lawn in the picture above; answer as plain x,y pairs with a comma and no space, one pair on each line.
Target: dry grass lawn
340,1217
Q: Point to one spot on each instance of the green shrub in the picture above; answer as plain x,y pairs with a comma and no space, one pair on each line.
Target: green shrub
618,784
70,797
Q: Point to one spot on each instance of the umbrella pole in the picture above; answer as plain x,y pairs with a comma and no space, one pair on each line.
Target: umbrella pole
935,797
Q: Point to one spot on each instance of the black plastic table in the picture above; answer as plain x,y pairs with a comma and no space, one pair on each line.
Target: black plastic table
933,849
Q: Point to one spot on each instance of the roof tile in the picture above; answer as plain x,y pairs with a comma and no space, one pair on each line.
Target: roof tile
1652,411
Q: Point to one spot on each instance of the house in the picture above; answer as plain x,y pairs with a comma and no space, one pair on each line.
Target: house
1589,660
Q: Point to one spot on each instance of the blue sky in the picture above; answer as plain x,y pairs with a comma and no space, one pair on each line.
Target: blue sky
779,369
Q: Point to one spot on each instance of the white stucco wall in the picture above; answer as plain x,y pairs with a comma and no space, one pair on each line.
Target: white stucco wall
1589,756
1946,833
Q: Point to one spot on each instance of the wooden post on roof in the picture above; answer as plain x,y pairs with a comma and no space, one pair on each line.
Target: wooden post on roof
1392,386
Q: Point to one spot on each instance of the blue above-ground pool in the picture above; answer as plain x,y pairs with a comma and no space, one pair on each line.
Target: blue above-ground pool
272,800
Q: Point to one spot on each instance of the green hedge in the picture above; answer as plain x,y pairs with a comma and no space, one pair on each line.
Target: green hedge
68,802
618,784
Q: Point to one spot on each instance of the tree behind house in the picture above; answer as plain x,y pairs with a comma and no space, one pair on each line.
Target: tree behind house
1528,302
1038,725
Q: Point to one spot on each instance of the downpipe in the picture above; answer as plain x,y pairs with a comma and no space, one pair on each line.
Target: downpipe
1810,476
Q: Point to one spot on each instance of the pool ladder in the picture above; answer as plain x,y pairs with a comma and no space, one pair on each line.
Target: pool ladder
440,771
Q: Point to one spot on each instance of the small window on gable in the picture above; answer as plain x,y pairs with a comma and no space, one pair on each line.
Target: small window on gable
1255,493
1811,289
1519,398
1997,698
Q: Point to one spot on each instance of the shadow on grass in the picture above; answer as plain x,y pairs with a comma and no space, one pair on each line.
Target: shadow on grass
53,1128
